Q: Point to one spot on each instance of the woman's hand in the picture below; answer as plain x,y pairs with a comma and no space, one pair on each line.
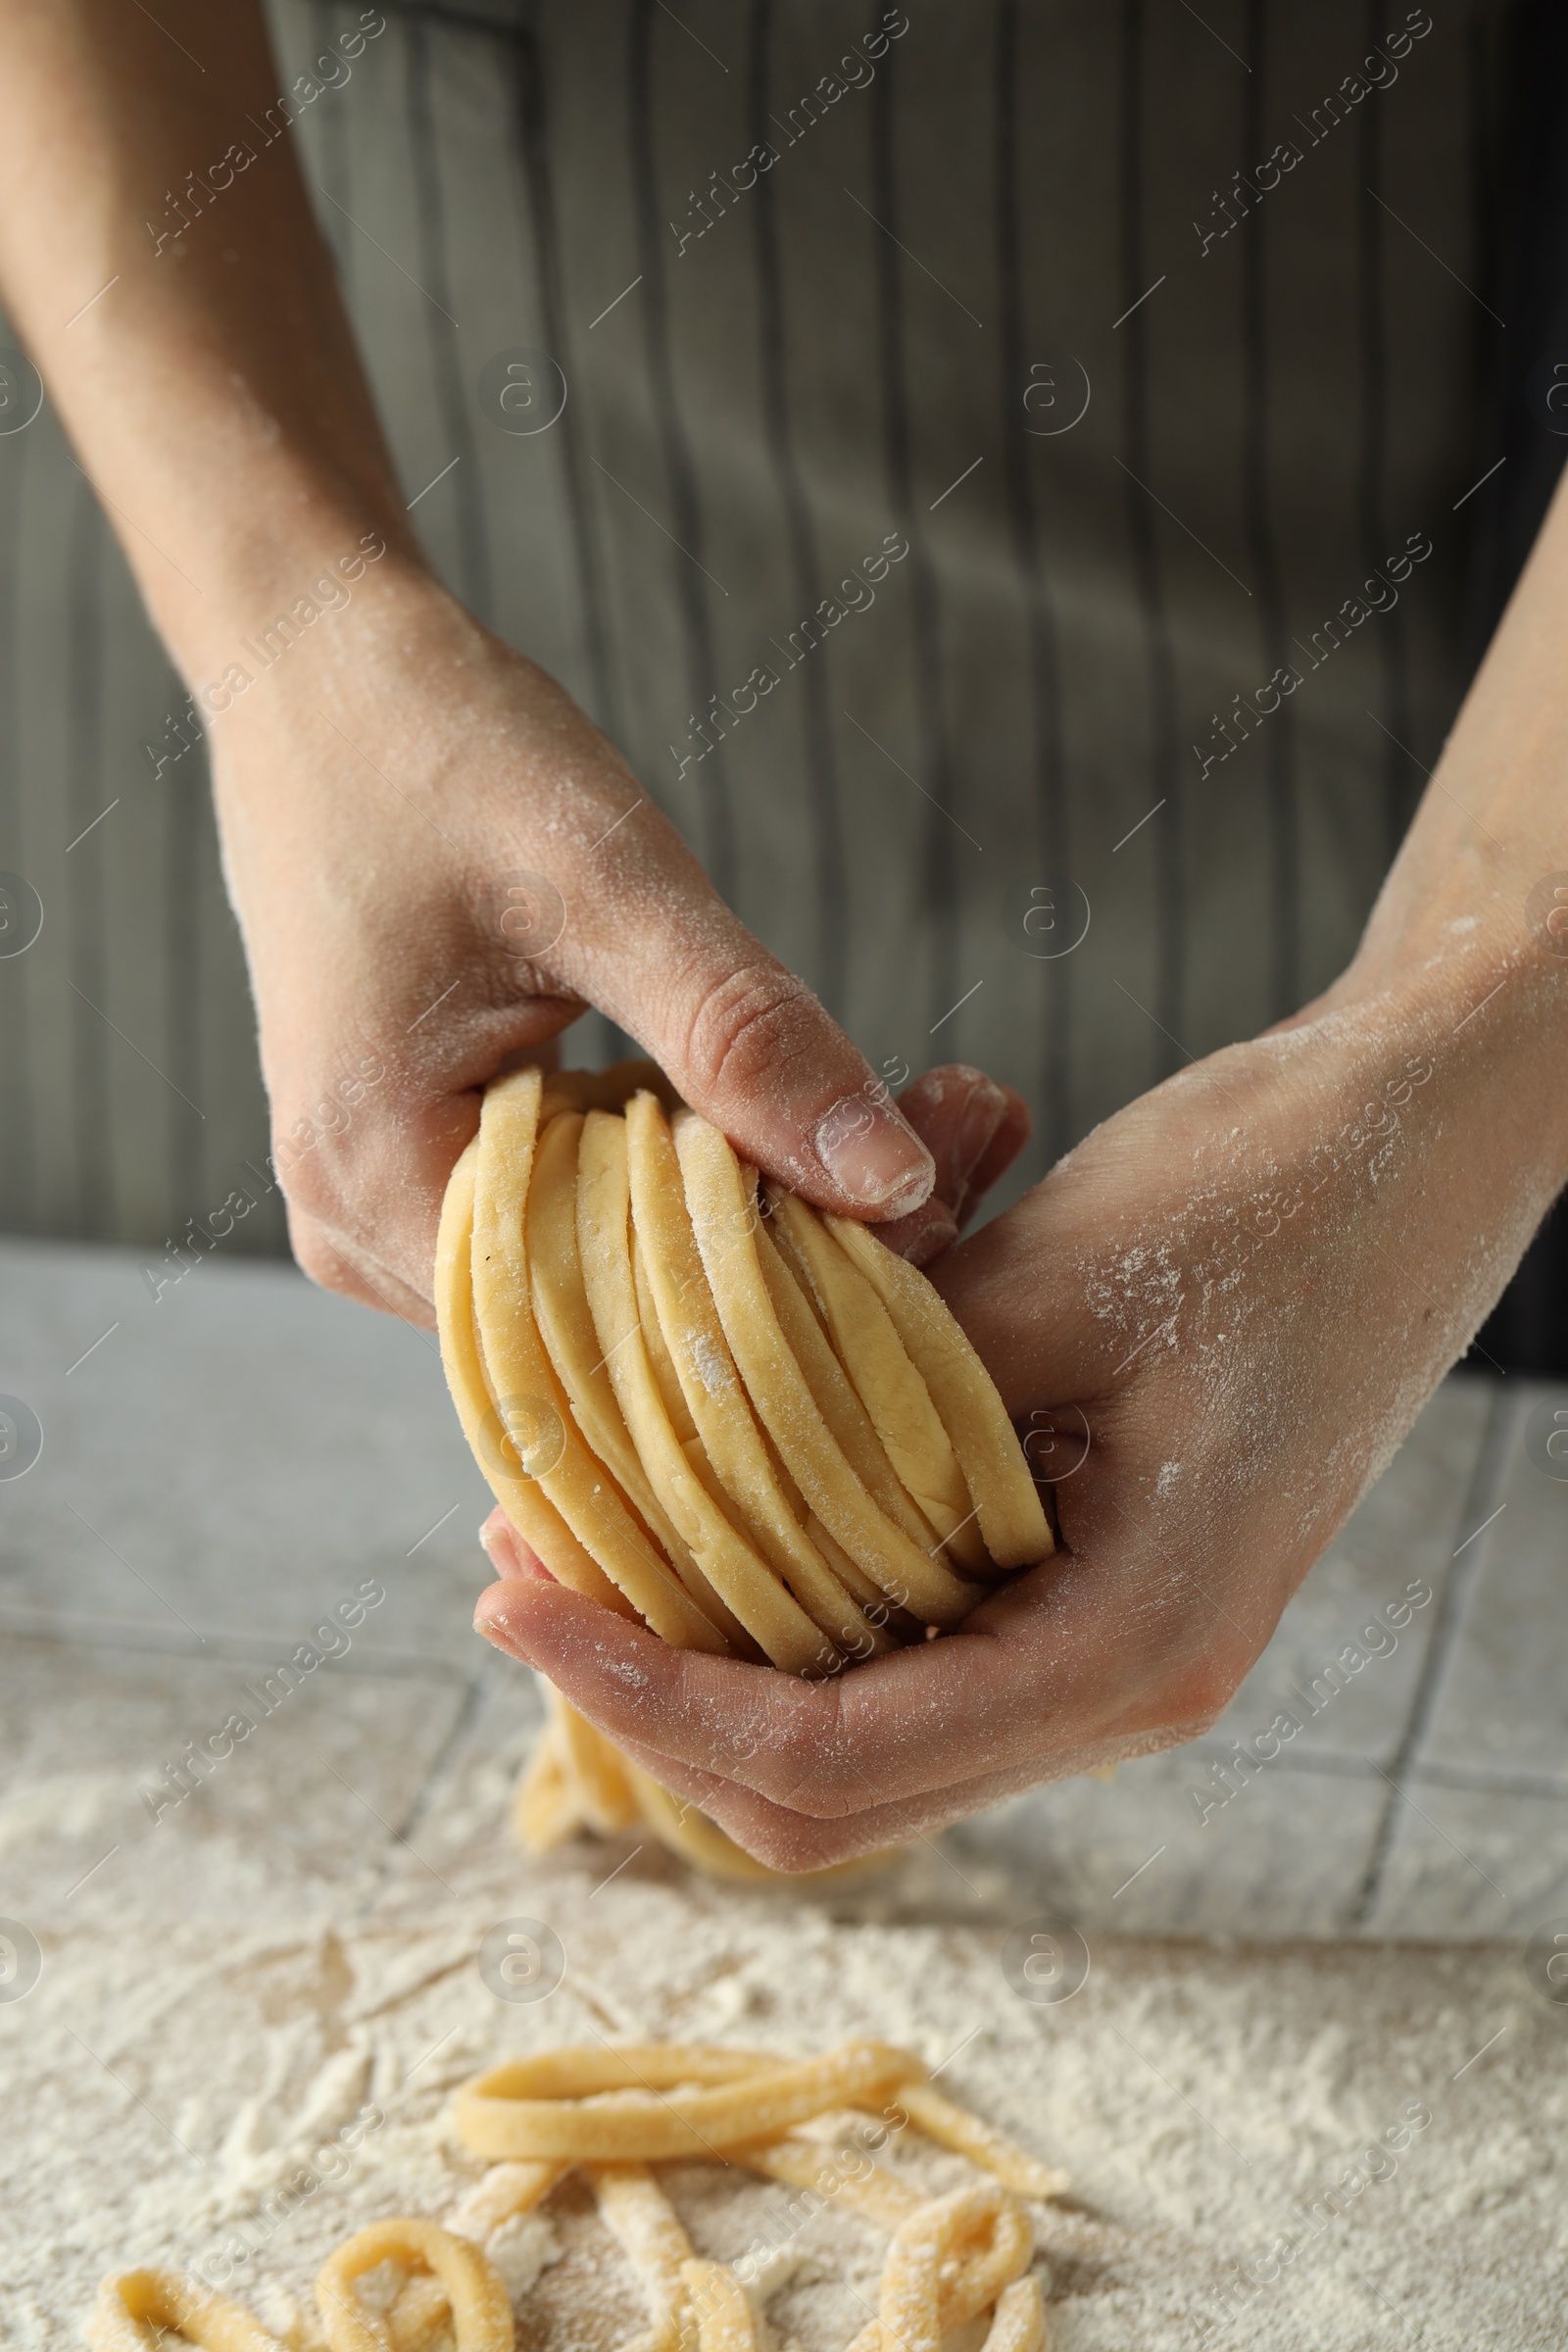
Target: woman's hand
438,861
1218,1317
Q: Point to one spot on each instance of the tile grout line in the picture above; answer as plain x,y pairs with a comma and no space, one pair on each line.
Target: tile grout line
1473,1780
1480,1780
1481,1498
236,1648
401,1840
461,1721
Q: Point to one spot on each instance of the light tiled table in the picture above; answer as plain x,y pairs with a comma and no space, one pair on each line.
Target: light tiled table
222,1467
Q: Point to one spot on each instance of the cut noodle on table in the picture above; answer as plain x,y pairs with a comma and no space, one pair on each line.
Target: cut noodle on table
610,2114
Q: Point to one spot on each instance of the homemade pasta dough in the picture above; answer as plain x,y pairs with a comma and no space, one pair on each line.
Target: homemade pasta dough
610,2114
709,1406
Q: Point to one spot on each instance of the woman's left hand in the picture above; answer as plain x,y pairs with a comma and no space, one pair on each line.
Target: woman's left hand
1220,1314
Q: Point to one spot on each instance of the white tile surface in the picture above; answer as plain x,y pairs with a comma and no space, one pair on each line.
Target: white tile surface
1472,1863
1283,1857
231,1462
232,1458
1404,1534
299,1820
1502,1703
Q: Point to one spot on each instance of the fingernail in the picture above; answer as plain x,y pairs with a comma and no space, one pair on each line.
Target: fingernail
495,1630
874,1156
939,1235
978,1122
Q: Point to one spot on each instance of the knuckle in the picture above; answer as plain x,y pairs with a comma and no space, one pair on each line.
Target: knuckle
745,1024
307,1162
1199,1690
316,1255
804,1771
792,1847
794,1775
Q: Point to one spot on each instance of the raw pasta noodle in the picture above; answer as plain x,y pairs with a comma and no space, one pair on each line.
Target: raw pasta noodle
771,1449
686,1832
671,2101
950,2259
481,2308
837,2171
136,2300
717,2302
422,2306
768,1613
638,2212
722,1414
954,2126
1018,2323
737,1263
566,1324
519,1369
1012,1520
887,1383
520,1495
948,2263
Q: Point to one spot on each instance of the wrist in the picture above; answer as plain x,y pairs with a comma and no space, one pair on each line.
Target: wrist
1482,1003
1466,950
301,604
275,535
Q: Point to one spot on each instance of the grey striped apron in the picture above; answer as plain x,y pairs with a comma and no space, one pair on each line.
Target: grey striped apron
1009,502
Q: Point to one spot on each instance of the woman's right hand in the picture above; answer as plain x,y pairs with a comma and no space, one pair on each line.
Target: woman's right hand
438,861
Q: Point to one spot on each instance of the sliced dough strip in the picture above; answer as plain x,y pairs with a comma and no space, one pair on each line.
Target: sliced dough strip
886,1382
723,1219
669,2100
849,1423
694,1334
718,2303
559,1301
609,1798
678,1825
481,2308
864,1588
1018,2323
950,2261
500,2193
852,1426
132,2301
1012,1520
743,1581
964,2132
642,2216
841,2172
577,1481
531,1511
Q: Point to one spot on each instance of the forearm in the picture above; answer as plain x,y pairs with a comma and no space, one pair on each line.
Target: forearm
207,377
1464,936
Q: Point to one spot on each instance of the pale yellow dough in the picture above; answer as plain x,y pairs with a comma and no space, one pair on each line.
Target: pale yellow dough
747,1590
480,2307
135,2301
751,1425
612,2113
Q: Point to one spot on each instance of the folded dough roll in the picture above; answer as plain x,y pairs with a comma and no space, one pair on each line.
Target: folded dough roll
745,1422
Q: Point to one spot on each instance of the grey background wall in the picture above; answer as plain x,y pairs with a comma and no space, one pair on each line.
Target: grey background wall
817,369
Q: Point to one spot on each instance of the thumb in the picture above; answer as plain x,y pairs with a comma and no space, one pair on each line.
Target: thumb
1022,1288
746,1042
